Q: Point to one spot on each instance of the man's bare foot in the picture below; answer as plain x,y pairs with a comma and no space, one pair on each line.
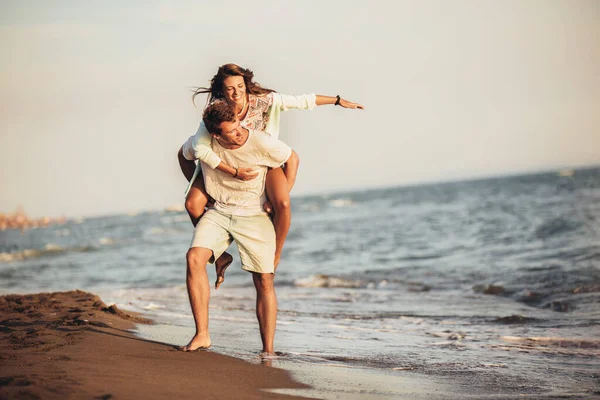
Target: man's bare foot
220,266
198,342
270,355
267,358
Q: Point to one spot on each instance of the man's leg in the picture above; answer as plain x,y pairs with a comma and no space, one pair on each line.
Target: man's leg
266,310
195,203
199,294
255,238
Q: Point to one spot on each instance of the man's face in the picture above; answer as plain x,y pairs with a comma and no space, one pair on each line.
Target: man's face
231,134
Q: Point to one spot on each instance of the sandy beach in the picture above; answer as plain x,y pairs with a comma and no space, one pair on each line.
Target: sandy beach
71,345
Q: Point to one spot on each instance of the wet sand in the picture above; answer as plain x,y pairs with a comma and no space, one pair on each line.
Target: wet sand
71,345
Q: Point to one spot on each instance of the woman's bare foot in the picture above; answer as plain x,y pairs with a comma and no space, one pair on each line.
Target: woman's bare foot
268,207
220,266
198,342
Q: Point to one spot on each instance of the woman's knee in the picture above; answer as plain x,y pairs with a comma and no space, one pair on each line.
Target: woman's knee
195,203
283,204
193,207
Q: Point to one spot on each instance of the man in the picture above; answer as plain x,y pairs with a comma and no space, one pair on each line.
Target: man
237,215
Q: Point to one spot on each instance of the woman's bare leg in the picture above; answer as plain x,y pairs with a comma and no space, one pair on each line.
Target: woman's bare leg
195,203
279,196
196,200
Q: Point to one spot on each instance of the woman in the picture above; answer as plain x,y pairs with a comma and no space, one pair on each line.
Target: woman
257,108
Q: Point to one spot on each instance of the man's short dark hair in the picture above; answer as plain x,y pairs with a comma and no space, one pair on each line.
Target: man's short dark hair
217,112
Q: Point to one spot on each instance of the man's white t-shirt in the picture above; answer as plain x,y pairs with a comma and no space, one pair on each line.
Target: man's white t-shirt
235,196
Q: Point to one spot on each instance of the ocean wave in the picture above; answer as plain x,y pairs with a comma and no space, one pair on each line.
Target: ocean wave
48,250
555,226
159,230
448,335
311,207
361,282
234,319
515,319
169,219
554,341
155,230
351,328
153,306
396,364
341,202
106,241
19,255
322,281
552,345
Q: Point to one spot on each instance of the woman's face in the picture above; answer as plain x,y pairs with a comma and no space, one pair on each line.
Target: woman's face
234,89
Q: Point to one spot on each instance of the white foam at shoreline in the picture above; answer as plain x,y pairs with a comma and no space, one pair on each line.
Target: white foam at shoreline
153,306
19,255
554,342
106,241
341,202
322,281
31,253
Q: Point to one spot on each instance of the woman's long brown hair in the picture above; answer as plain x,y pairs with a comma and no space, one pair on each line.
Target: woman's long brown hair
215,91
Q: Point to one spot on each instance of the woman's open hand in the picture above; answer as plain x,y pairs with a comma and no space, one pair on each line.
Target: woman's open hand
349,104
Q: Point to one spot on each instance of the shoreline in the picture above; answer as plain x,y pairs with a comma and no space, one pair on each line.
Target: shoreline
72,345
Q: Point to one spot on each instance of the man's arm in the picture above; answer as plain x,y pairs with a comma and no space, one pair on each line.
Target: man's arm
198,147
244,174
291,169
189,152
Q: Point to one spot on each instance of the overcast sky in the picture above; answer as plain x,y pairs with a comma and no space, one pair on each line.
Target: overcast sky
95,95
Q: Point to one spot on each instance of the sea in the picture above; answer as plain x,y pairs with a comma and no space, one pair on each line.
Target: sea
484,288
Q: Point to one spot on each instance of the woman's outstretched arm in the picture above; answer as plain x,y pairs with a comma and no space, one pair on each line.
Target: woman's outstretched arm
284,102
322,100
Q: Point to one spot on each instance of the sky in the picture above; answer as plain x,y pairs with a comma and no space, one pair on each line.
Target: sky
95,97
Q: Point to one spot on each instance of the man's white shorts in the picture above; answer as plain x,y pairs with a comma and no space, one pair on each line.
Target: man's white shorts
254,236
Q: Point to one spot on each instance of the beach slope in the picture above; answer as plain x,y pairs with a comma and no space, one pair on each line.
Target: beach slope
71,345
